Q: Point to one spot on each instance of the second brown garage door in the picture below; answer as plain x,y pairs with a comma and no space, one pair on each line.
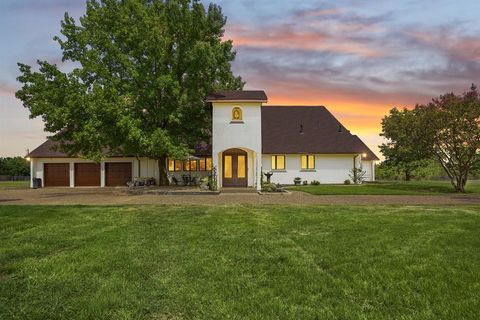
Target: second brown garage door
87,174
56,174
118,173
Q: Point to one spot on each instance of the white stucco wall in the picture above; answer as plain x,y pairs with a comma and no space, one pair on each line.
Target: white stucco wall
328,168
246,135
148,167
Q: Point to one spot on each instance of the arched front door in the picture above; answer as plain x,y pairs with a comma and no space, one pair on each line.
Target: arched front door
235,170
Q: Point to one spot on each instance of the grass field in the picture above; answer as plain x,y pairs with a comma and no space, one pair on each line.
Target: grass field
14,185
239,262
388,188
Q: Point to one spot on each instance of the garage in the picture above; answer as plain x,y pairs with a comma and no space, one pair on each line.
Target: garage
87,174
118,173
56,174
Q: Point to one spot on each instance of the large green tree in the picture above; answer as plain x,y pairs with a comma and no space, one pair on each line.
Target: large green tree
451,126
401,150
447,130
141,69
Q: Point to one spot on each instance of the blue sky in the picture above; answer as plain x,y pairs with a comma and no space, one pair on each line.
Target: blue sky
359,58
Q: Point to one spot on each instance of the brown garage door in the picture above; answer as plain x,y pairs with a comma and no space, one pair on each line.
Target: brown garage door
118,173
56,174
87,174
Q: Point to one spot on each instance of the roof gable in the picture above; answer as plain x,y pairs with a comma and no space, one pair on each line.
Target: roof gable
307,129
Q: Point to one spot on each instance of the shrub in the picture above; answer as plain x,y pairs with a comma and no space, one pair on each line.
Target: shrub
271,187
357,175
347,181
305,182
315,183
212,180
205,183
297,180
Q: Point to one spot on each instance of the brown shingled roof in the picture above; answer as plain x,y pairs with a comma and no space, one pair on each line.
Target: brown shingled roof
285,129
307,129
238,95
47,150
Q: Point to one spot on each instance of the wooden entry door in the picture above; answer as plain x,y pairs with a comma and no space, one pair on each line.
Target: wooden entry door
235,168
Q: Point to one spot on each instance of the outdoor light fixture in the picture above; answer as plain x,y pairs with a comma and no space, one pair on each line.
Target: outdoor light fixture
364,155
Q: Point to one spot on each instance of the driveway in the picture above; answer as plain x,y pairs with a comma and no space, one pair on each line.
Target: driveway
118,196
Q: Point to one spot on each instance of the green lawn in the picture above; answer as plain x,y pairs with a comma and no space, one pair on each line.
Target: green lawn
388,188
14,185
239,262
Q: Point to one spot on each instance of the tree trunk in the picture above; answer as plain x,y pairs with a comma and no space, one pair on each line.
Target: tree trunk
460,184
162,171
407,175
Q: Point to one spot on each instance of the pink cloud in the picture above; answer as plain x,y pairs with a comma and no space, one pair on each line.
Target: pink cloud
465,48
319,12
7,90
285,37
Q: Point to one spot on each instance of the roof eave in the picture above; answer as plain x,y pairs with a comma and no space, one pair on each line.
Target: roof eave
235,101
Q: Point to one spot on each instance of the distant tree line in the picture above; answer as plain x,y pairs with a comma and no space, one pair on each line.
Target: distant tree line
443,134
431,170
14,166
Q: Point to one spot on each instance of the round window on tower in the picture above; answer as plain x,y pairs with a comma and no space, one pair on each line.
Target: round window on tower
237,114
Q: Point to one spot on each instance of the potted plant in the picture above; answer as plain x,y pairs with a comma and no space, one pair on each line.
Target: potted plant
297,181
204,183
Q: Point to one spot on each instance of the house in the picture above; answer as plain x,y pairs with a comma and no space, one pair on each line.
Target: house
248,138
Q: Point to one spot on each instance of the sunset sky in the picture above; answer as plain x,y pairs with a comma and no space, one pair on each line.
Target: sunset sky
358,58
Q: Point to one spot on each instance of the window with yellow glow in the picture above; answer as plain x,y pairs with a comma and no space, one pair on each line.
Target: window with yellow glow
278,162
227,166
209,163
237,114
178,165
205,163
174,165
307,161
193,165
241,165
171,165
190,165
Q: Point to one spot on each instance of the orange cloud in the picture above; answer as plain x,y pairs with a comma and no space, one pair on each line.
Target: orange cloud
359,110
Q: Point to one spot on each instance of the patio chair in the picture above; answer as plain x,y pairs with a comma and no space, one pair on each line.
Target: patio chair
194,181
174,180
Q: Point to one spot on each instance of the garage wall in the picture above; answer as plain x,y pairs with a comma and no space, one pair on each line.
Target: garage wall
37,167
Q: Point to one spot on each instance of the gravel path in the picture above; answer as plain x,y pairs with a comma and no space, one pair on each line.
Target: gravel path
117,196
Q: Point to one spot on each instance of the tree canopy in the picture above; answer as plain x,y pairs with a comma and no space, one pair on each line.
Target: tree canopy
451,125
403,132
446,129
141,69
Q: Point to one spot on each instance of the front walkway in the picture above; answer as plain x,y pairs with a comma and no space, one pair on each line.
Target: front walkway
118,196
